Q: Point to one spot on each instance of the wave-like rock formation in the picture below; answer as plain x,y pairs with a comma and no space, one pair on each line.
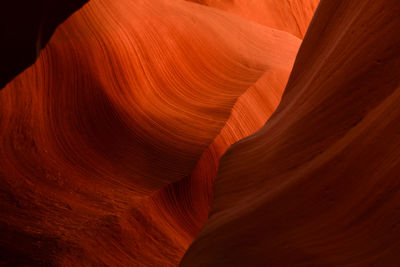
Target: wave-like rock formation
192,196
318,185
110,142
290,15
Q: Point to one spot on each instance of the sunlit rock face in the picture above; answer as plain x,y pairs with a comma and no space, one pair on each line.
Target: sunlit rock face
110,142
292,16
318,184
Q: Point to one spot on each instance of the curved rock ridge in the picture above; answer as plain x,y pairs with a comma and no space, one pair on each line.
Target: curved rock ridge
125,99
188,201
318,184
292,16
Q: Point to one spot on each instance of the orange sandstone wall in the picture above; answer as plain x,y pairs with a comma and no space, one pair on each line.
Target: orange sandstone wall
292,16
318,184
106,140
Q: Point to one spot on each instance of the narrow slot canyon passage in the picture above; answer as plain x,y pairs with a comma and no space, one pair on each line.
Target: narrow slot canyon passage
200,133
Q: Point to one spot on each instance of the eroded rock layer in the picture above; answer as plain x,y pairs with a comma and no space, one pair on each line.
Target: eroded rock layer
318,184
292,16
127,98
189,200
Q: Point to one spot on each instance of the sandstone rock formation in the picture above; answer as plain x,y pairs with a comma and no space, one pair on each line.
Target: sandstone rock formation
111,140
110,143
318,184
291,15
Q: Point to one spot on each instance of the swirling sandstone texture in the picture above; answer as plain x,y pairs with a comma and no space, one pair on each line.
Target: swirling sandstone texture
110,142
319,184
287,15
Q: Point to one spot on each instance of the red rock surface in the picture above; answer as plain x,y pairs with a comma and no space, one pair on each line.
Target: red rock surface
189,200
290,15
318,185
110,141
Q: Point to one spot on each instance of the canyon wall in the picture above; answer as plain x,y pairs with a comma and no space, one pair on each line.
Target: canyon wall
292,16
110,142
318,184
